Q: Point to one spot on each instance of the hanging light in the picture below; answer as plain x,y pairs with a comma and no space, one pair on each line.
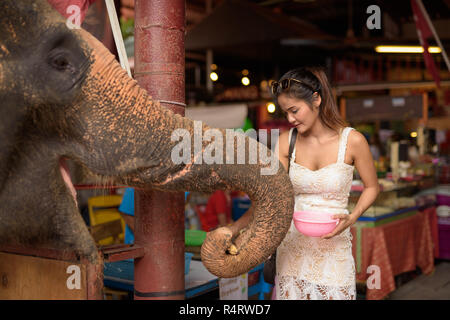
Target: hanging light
271,107
263,84
245,81
214,76
405,49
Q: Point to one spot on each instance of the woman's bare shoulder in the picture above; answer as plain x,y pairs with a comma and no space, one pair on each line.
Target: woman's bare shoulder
284,136
357,142
356,138
283,142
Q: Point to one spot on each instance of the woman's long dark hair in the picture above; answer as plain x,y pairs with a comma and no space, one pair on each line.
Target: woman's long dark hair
315,80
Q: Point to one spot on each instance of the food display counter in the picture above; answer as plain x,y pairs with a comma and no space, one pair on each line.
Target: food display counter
397,234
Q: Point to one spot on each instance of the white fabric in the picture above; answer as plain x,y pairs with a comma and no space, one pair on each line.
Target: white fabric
314,268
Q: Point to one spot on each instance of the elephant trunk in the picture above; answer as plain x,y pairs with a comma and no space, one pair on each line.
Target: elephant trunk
272,205
210,167
169,152
233,161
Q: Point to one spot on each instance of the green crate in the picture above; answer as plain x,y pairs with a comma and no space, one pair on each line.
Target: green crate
194,237
381,174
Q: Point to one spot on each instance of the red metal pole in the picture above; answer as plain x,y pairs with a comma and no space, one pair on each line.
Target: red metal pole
160,69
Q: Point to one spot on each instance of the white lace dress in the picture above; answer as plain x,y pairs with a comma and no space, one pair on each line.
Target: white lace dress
314,268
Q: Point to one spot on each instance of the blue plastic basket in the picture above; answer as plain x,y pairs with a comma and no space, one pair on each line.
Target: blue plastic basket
187,261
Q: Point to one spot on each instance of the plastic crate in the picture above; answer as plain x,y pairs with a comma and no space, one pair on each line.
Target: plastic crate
444,238
443,200
194,238
187,261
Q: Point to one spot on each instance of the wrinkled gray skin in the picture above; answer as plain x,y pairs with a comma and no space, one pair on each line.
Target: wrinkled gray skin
63,95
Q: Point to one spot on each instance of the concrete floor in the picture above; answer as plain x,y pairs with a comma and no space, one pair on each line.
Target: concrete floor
435,286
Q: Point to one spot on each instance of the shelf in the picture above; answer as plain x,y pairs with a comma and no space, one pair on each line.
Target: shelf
121,252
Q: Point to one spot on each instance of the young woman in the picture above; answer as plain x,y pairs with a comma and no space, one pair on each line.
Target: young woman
321,171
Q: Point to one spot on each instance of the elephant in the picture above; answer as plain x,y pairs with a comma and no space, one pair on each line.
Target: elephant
63,96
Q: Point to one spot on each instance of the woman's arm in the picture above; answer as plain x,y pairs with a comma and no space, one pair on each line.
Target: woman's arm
359,151
242,222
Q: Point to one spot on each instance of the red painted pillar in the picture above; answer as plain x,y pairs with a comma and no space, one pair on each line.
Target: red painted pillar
160,69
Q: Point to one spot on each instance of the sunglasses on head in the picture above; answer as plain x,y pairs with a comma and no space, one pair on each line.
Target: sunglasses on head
286,84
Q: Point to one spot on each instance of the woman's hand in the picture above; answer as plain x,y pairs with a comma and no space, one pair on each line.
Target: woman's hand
345,221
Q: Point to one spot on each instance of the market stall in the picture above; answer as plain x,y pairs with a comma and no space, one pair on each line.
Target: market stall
399,232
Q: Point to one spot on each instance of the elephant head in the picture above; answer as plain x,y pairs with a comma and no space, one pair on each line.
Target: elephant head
64,96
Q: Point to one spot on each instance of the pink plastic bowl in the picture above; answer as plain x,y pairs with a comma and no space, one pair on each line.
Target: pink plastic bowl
314,224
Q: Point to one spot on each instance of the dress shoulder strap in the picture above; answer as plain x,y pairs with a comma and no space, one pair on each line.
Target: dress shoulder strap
290,137
343,143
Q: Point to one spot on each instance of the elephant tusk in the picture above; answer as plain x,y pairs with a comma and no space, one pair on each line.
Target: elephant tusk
232,250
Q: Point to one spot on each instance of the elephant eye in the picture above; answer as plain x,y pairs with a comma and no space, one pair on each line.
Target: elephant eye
60,62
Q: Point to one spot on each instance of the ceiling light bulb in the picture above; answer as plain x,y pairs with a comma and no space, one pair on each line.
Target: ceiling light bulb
214,76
